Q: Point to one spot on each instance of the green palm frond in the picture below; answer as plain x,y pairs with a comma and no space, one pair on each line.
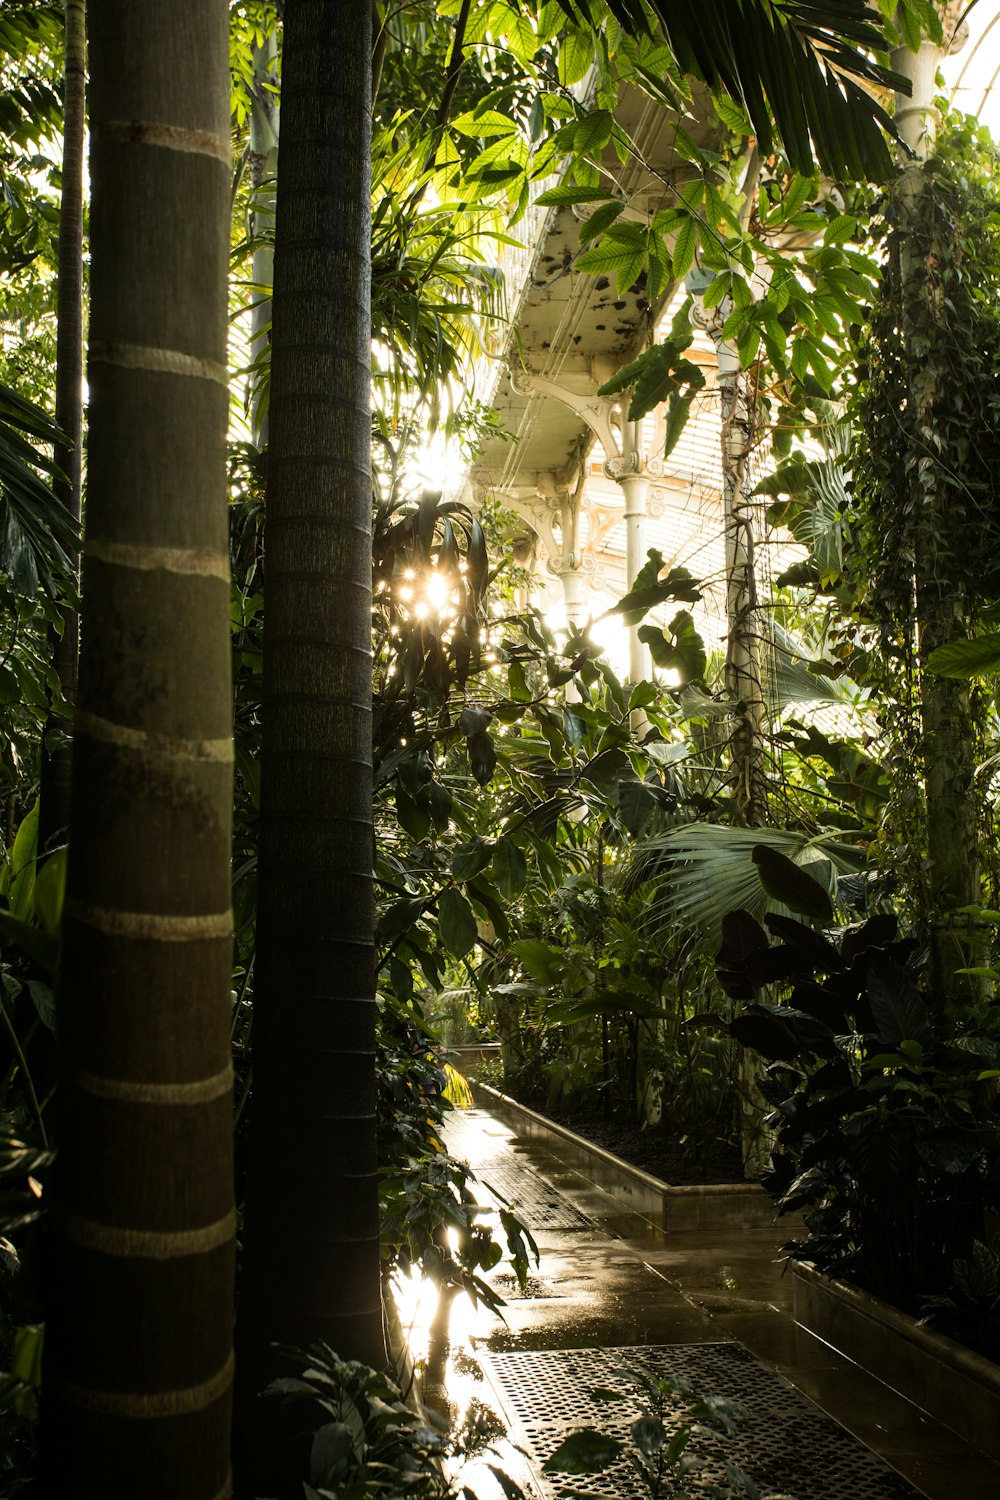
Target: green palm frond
37,535
702,871
806,74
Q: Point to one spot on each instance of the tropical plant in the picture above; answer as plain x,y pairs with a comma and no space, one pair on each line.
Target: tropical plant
702,871
369,1442
886,1131
663,1441
431,1220
23,1167
970,1309
56,767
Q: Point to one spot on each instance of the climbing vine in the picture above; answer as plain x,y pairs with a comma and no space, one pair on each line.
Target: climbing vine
926,466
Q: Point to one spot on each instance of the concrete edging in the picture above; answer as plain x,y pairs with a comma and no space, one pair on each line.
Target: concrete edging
953,1384
715,1206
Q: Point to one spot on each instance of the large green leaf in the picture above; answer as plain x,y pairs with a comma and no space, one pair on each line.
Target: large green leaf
457,922
585,1452
899,1010
679,649
796,682
649,590
510,868
786,882
979,657
662,373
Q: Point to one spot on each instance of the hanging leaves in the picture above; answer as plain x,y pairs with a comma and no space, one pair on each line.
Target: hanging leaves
456,922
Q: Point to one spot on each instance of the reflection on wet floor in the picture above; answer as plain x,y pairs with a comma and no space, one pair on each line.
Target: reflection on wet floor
609,1280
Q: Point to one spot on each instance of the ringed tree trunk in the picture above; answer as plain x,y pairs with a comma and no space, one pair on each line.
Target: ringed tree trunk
138,1360
312,1233
56,759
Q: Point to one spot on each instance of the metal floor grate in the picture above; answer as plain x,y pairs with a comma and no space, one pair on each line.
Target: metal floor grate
534,1200
784,1443
463,1134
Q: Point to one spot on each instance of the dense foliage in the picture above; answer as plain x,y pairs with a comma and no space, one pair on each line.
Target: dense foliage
556,851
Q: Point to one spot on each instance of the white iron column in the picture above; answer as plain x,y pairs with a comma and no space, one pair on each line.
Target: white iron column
625,464
627,467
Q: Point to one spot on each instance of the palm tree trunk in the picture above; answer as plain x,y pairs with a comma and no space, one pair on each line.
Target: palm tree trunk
55,782
138,1369
950,733
264,117
743,671
312,1246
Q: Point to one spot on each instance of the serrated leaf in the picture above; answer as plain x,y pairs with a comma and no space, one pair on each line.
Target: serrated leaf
843,227
576,55
660,270
685,246
593,132
600,220
748,344
490,123
732,115
568,193
802,189
718,290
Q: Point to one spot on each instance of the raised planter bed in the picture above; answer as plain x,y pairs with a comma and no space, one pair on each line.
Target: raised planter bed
723,1206
467,1055
959,1388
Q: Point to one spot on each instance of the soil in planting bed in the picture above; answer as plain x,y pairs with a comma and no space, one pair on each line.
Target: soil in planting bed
680,1162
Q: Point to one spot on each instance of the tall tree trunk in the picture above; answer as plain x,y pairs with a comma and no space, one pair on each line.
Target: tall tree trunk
138,1367
264,116
942,608
739,512
312,1247
743,674
55,786
950,734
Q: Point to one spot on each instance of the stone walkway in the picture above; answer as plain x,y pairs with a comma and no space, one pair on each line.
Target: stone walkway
615,1294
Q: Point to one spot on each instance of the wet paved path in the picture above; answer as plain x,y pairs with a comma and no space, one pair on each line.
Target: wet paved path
614,1292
